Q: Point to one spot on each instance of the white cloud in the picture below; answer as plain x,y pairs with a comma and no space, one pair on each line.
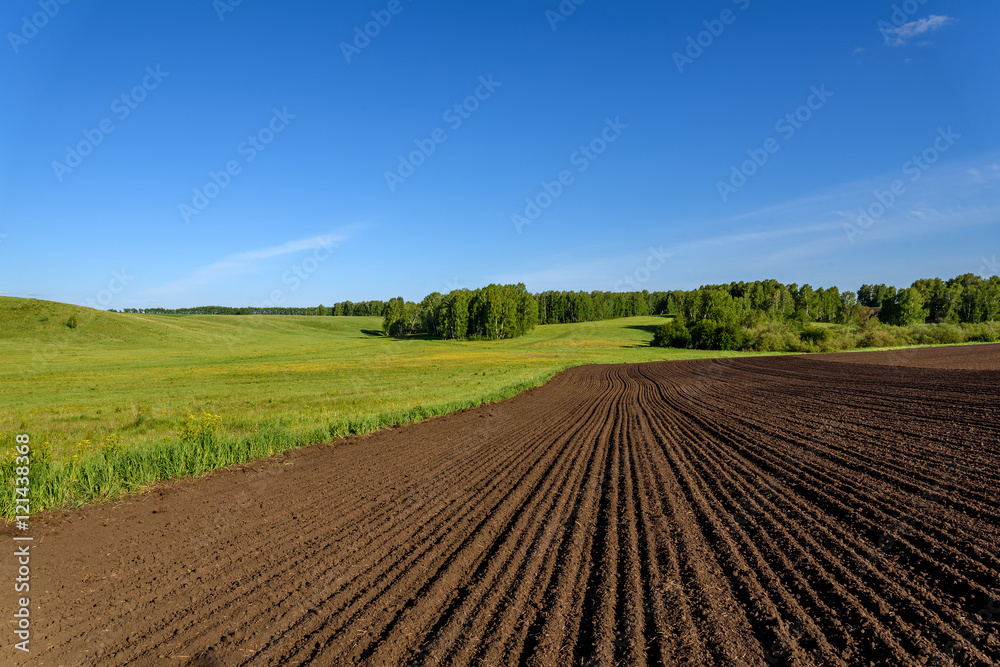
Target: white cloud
756,237
244,263
858,51
324,241
898,36
945,198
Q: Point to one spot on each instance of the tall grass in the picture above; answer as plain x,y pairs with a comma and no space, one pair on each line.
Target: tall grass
108,470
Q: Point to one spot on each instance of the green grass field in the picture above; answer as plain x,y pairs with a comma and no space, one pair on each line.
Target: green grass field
123,400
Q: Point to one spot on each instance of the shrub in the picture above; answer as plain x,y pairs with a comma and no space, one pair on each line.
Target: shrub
711,335
815,335
772,336
937,334
71,322
950,334
838,340
730,337
768,341
982,334
671,334
877,338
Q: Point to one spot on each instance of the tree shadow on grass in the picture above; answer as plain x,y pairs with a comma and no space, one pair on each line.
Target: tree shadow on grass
648,328
381,334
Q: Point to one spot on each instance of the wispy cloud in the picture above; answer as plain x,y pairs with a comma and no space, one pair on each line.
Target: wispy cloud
807,234
900,35
291,247
803,238
244,263
757,236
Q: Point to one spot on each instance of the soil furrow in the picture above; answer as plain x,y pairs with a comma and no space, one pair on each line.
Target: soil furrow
819,510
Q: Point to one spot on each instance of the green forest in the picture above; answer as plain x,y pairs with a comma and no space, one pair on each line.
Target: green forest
771,317
760,315
509,311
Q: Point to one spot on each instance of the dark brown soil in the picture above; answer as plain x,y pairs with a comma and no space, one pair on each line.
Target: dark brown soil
760,511
970,357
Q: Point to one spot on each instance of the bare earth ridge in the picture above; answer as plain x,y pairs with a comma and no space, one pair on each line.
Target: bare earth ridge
755,511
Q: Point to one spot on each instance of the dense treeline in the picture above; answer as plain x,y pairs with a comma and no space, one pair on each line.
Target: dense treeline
508,311
760,315
769,316
491,312
562,307
223,310
766,300
965,299
360,309
553,307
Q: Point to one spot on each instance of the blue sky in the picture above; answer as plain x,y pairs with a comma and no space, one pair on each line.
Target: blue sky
275,153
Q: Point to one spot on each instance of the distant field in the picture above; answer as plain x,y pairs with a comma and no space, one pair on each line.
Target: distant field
122,382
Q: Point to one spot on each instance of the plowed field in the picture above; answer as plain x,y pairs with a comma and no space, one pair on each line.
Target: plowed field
754,511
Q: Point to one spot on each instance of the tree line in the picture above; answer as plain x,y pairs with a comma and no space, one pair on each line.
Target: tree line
345,308
712,316
509,311
967,298
741,315
224,310
493,312
563,307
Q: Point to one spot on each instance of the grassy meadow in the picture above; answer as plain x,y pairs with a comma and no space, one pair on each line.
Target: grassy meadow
123,400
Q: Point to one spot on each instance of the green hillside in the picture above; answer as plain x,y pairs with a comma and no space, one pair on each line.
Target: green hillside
128,385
